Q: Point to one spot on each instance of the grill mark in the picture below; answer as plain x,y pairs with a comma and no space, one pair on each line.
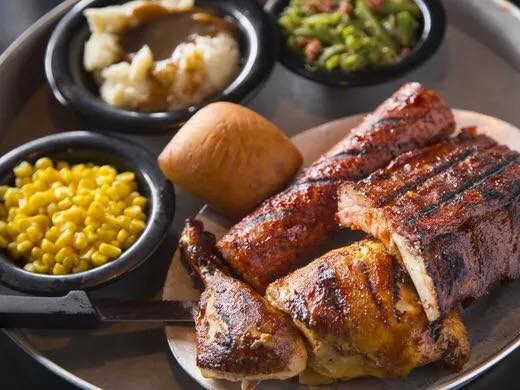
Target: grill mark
471,183
263,217
420,180
322,181
383,122
373,291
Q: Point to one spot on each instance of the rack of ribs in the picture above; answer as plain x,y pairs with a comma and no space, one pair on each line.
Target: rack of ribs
450,212
268,243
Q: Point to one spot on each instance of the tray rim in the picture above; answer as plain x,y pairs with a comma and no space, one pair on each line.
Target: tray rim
51,17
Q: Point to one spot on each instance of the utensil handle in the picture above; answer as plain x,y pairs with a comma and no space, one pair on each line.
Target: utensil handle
74,310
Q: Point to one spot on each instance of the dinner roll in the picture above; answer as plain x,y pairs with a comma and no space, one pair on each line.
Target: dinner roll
231,157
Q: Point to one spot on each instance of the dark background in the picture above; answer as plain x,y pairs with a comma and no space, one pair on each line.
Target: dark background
20,371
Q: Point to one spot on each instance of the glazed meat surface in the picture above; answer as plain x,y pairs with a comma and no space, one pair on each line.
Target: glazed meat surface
361,317
267,244
240,336
450,212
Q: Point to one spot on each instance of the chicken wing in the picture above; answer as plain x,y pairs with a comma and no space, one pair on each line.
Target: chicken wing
240,336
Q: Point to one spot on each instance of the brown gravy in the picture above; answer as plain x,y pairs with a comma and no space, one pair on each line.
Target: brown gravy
163,31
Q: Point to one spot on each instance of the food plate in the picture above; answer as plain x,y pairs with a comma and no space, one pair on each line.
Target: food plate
493,322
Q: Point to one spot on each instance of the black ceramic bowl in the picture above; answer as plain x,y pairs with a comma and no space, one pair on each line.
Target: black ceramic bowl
84,146
75,88
433,28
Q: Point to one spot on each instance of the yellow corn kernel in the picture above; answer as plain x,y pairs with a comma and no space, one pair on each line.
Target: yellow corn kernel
35,233
21,181
22,237
48,259
136,226
82,200
52,208
87,184
29,267
3,190
107,235
75,215
64,204
59,269
101,198
65,239
36,253
129,241
63,253
24,246
3,228
82,265
24,169
98,259
38,200
70,261
140,201
109,251
53,233
96,210
126,176
80,241
122,235
48,246
92,222
107,170
3,242
12,196
133,212
43,163
40,267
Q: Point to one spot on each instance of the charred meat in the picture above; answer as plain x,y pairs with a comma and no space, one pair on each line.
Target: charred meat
268,243
450,212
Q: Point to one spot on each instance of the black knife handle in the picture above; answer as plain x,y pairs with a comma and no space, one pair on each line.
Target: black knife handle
74,310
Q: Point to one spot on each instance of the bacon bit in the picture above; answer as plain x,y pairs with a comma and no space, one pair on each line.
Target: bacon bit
344,7
375,4
301,42
319,5
405,51
312,49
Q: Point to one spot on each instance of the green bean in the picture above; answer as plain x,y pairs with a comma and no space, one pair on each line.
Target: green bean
406,28
332,62
329,52
372,23
350,62
395,6
321,19
368,37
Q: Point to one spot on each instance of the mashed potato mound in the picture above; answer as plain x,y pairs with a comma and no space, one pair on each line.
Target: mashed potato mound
195,70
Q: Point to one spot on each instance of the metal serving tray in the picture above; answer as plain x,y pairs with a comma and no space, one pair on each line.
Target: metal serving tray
477,68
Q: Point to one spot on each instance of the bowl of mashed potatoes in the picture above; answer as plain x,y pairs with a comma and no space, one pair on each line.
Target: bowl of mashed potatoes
148,65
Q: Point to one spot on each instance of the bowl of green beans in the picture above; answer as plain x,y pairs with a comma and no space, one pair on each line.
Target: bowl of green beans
356,42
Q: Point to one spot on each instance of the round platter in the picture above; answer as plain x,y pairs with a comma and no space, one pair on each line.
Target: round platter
477,68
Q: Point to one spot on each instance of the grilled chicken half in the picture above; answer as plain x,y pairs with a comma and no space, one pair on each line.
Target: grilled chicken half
361,316
240,336
450,212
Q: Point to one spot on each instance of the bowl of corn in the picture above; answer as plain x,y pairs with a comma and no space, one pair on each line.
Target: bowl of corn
77,210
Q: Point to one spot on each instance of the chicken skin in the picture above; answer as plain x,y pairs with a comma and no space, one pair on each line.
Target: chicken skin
361,316
240,336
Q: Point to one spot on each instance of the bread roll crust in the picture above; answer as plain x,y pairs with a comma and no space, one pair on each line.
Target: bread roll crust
231,157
